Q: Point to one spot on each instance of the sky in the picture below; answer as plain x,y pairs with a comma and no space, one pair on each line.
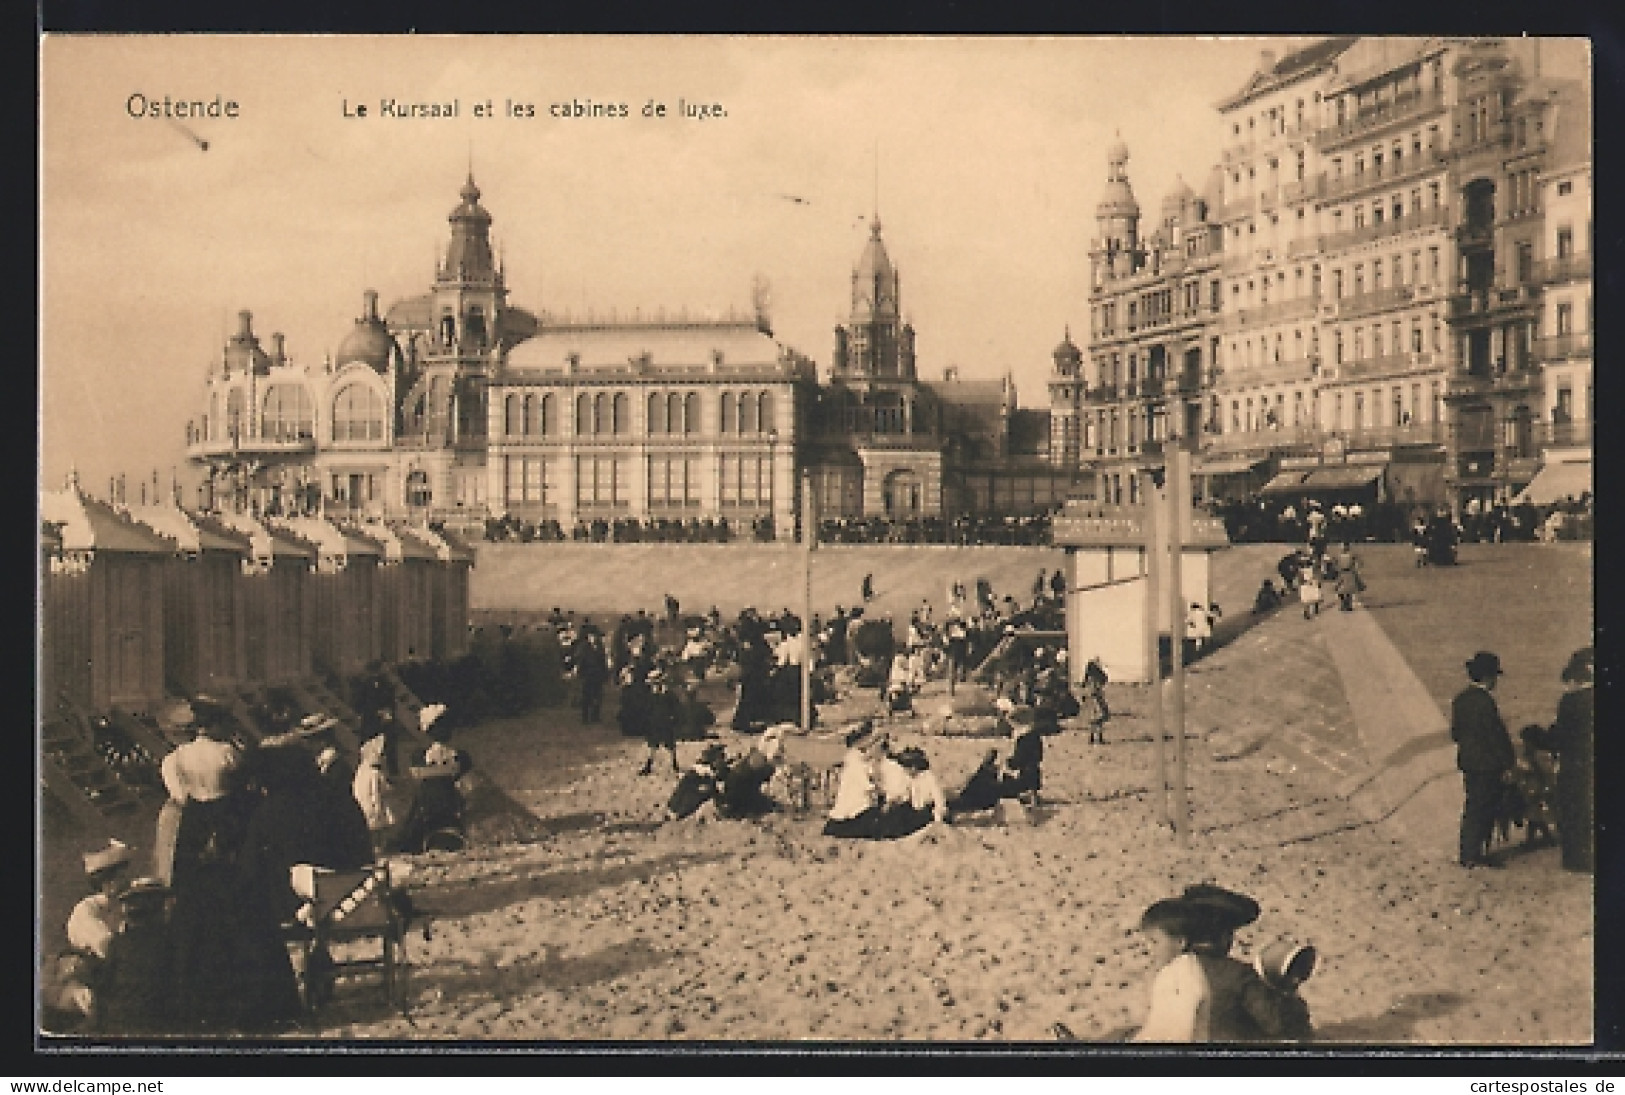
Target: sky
984,157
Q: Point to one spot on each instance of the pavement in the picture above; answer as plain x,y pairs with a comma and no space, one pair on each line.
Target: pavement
1409,786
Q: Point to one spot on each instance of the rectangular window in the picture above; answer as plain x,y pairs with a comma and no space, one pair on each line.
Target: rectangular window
1565,242
1565,318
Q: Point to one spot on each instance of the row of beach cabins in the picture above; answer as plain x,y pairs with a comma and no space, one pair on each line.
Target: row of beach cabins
141,606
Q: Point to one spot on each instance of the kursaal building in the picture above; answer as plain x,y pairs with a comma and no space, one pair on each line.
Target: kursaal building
457,405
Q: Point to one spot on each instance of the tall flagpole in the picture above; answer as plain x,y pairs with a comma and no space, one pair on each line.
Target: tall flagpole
1153,657
1179,504
809,534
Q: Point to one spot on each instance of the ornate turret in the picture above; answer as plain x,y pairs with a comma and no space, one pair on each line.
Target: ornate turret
875,286
243,351
1117,217
468,256
1068,358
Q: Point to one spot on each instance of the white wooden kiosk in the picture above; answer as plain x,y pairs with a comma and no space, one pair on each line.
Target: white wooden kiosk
1106,582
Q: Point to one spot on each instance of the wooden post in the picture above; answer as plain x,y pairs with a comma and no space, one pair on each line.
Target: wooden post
809,535
1179,505
1153,568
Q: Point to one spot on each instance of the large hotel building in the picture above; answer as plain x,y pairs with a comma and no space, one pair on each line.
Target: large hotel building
1383,293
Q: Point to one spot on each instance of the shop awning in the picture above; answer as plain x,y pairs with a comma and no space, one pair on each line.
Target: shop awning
1343,478
1233,466
1555,482
1287,482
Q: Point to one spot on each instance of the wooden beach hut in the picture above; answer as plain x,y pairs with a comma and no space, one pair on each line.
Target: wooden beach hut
101,606
278,600
344,597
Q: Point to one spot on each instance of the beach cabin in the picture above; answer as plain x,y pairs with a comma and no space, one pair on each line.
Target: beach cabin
405,588
204,634
278,600
1106,583
345,594
449,598
101,606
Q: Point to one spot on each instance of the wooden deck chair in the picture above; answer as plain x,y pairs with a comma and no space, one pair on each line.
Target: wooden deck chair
353,908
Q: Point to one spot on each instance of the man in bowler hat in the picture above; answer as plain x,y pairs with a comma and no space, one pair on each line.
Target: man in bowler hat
1484,754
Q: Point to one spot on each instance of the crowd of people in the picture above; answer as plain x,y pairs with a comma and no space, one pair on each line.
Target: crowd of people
631,530
964,530
208,940
1259,519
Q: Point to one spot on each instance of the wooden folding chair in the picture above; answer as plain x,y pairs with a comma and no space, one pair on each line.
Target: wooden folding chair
353,908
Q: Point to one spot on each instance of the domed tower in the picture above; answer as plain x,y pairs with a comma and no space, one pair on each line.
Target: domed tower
1179,207
1066,387
369,341
1068,358
1117,216
876,342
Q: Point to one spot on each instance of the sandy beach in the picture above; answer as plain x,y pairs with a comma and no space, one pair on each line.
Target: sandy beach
580,914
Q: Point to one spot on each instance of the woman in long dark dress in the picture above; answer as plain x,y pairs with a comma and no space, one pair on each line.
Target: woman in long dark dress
1570,737
231,970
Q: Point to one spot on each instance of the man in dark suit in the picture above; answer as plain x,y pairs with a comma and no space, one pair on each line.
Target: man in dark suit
1484,754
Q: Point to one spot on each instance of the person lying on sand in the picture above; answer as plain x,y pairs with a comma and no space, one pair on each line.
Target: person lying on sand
1199,993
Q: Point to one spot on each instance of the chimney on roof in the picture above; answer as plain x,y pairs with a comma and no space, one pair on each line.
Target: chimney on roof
245,324
1266,60
277,353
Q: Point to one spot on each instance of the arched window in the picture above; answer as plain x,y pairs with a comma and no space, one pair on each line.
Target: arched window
765,411
674,413
748,421
533,425
691,413
289,413
730,414
358,414
620,414
513,424
657,414
583,415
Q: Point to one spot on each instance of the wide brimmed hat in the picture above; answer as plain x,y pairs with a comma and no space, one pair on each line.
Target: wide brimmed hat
1230,910
311,725
1483,665
1582,666
116,854
1284,963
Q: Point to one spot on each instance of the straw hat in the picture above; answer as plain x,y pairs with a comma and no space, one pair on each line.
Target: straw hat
429,715
177,716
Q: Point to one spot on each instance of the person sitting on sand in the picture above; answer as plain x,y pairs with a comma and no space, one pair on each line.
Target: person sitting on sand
1267,599
699,784
1026,758
981,791
856,812
927,806
1199,993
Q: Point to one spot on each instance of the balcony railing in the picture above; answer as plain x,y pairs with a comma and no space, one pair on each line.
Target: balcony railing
1240,207
1242,440
1280,311
1392,171
1378,300
1427,218
1399,110
1560,434
1413,433
1274,372
1386,365
1304,189
1471,302
1564,268
1563,347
